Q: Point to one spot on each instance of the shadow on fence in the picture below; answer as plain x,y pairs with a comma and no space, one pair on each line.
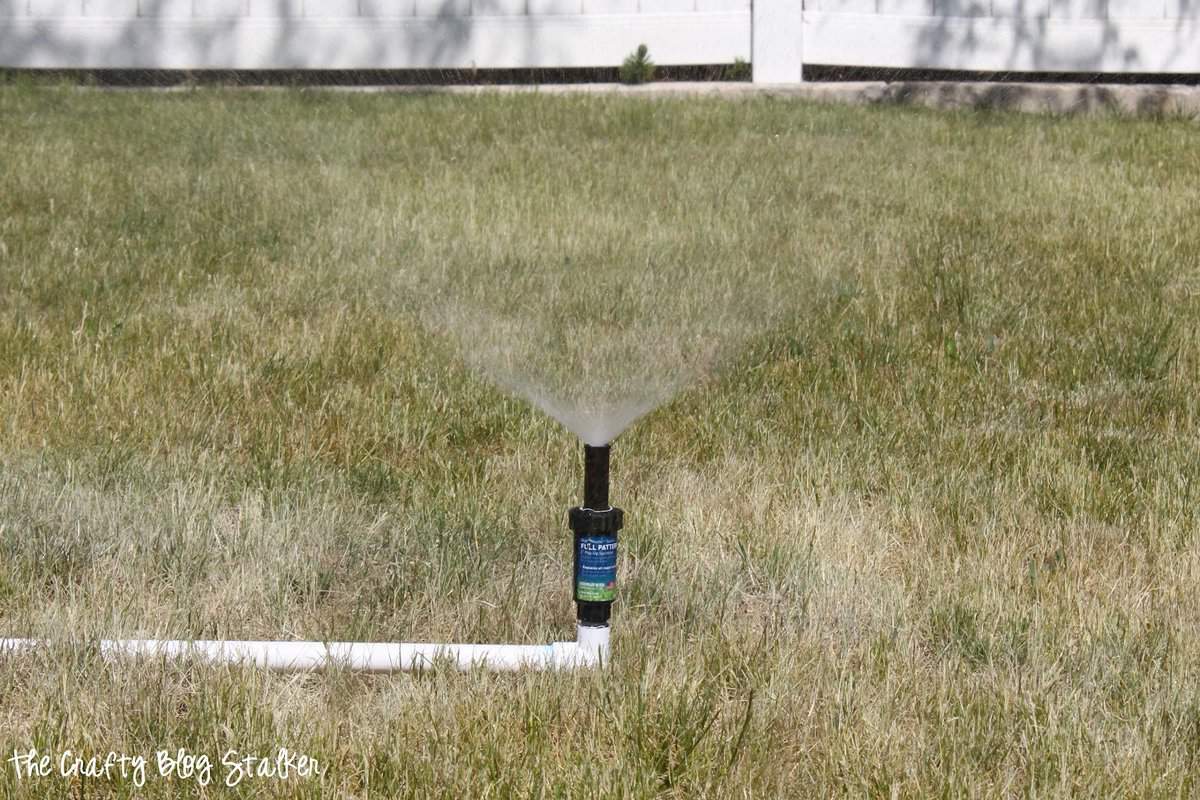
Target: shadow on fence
442,45
1030,44
441,39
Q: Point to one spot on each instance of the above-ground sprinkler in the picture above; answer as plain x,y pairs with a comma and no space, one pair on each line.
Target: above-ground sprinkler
595,525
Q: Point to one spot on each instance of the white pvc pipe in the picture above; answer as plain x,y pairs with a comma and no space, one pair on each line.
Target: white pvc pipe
590,650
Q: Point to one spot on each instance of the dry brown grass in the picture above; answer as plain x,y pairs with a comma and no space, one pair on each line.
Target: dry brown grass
931,532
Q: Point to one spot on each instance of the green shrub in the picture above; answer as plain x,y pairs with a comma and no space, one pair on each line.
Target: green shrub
637,67
739,70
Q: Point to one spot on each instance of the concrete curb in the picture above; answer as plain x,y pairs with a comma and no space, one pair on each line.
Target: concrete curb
1048,98
1141,100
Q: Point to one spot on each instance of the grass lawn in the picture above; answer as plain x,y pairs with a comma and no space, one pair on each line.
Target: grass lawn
931,529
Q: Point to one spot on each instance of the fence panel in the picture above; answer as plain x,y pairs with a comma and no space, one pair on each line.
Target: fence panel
1110,36
368,34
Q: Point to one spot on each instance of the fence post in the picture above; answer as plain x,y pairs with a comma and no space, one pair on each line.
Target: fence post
776,41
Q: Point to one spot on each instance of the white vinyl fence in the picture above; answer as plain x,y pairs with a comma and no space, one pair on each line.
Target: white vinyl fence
1118,36
776,36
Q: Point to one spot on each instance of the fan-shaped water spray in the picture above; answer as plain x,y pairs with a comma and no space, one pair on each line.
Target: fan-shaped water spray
598,353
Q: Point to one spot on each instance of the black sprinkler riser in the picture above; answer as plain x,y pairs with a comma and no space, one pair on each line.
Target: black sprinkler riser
595,477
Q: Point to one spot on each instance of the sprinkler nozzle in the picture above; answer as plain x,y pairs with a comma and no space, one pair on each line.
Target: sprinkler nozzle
595,476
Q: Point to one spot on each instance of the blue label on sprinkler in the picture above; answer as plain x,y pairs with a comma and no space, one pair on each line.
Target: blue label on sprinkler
596,578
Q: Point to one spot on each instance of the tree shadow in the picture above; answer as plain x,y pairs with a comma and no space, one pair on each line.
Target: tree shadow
277,35
967,37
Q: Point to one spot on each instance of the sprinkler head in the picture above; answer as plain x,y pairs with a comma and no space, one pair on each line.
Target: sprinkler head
595,525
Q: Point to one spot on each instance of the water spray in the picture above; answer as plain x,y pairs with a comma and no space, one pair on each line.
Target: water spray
595,525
